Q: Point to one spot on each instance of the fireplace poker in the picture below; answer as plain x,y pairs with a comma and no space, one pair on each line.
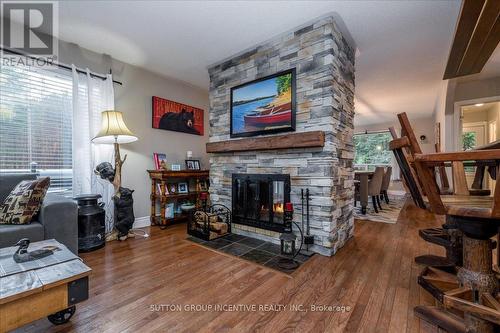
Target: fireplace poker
308,238
302,208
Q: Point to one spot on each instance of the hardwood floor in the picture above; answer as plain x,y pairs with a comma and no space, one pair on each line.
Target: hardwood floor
374,275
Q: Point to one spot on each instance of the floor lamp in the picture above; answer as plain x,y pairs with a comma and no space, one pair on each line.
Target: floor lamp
113,130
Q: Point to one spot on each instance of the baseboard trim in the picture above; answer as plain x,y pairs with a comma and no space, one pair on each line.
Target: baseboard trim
141,222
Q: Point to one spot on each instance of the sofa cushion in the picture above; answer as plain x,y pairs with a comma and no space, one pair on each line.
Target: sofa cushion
9,181
24,201
10,234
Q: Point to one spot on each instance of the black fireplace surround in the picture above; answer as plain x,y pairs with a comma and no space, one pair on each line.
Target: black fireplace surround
259,199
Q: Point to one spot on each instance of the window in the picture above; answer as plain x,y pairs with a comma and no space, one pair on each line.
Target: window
372,149
35,123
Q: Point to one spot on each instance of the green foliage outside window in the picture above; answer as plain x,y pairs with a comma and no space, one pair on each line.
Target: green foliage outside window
372,148
468,140
468,143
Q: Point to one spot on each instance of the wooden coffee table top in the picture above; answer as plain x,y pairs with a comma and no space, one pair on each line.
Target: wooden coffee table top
22,279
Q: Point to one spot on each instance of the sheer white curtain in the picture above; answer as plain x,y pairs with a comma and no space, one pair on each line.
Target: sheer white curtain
91,96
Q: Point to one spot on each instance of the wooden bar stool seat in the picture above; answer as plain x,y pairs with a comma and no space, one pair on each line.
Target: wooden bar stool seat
474,289
405,149
477,293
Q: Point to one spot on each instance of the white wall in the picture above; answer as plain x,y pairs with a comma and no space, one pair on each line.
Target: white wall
477,89
457,91
134,99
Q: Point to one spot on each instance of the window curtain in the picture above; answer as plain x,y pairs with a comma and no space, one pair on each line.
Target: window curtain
395,169
91,96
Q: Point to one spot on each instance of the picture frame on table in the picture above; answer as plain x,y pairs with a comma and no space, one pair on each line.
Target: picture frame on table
170,210
160,161
182,188
172,188
193,165
203,186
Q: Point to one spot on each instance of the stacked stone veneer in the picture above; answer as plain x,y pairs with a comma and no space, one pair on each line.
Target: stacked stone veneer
324,64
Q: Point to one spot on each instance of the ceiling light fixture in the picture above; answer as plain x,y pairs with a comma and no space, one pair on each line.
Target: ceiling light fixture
479,104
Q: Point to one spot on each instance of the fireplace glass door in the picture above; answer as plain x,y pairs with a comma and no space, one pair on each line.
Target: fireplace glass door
278,201
259,200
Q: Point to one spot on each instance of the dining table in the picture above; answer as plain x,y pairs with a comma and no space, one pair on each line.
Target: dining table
361,178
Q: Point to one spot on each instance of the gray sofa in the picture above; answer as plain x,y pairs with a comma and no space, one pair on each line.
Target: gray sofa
57,219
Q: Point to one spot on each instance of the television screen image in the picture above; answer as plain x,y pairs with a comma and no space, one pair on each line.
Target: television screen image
264,106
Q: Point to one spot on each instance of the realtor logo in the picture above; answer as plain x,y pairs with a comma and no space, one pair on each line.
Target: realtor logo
30,27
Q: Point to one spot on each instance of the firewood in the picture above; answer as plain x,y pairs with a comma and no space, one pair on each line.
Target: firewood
219,227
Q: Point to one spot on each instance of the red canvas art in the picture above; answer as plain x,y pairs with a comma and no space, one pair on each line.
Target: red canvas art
173,116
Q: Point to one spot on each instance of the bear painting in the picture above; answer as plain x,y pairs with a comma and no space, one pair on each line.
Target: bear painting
178,117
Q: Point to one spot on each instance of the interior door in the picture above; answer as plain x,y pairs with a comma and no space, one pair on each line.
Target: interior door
492,137
473,135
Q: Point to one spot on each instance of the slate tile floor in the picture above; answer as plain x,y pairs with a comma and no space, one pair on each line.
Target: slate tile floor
251,249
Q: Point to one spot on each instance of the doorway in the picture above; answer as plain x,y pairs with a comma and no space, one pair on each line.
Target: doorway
479,127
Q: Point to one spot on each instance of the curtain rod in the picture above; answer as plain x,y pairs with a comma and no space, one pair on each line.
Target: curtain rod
59,65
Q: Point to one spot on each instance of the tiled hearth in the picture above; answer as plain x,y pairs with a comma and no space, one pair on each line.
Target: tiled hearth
251,249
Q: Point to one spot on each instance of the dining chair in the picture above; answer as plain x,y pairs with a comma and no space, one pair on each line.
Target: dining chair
386,181
375,186
373,189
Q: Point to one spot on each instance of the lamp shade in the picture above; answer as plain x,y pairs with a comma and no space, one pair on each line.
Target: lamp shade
113,129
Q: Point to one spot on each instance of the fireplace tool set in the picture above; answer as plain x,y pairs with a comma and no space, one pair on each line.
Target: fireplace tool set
288,238
308,239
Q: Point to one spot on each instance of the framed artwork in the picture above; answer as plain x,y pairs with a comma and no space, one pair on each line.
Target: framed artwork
173,116
437,136
176,167
160,161
172,188
193,165
183,187
264,106
203,186
170,210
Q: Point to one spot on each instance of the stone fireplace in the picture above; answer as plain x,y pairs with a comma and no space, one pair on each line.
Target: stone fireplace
324,64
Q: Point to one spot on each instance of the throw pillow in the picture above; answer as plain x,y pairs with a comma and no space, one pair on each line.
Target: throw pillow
24,201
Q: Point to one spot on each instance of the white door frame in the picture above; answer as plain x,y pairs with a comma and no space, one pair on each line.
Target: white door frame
457,122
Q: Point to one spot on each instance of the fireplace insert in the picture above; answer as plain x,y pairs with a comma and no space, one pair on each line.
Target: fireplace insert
259,200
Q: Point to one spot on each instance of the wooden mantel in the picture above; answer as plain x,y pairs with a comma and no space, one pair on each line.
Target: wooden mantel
285,141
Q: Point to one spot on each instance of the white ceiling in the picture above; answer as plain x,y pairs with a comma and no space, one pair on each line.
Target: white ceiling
478,107
402,45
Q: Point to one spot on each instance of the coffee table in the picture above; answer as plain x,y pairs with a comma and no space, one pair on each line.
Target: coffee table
49,286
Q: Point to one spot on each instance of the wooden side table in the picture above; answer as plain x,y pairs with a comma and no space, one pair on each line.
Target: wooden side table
163,178
50,286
